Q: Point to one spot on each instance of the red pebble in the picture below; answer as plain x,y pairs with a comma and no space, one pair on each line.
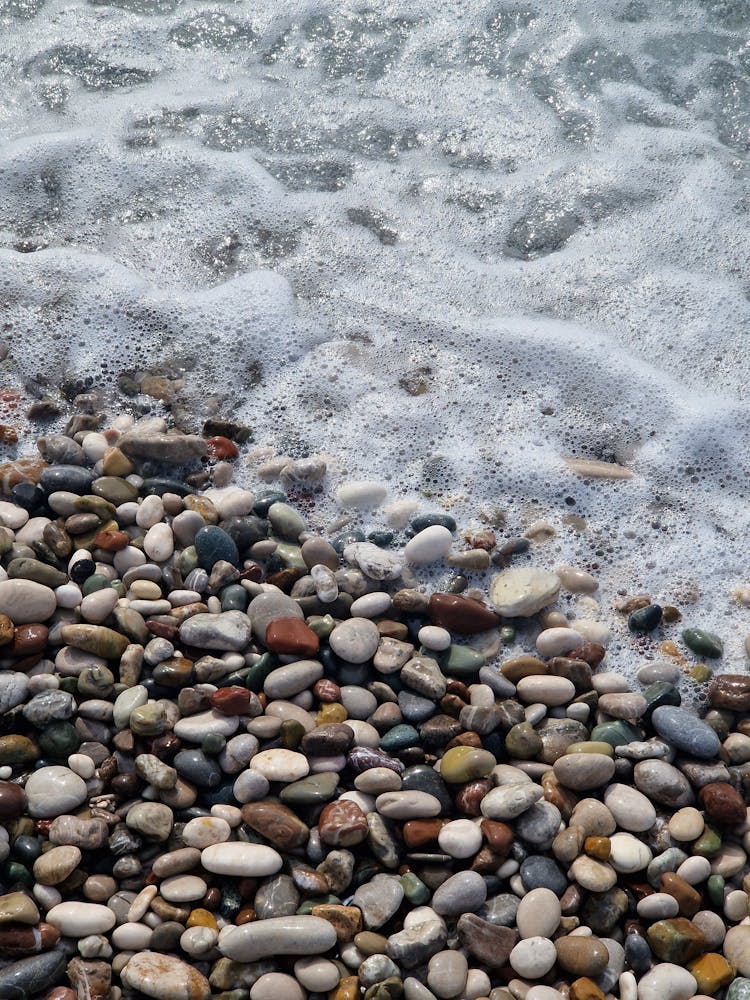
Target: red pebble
111,541
222,448
231,700
290,635
326,691
342,824
61,993
461,614
590,652
28,640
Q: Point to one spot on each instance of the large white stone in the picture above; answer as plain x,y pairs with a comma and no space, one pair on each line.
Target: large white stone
521,592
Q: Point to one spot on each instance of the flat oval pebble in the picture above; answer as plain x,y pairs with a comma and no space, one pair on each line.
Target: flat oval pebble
242,860
538,914
509,801
52,791
165,977
407,805
631,809
80,919
294,935
25,601
583,771
685,731
558,641
545,690
281,765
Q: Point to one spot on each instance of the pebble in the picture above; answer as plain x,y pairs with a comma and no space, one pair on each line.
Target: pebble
522,592
52,791
630,808
165,977
242,860
355,640
538,914
294,935
533,957
428,545
685,731
79,919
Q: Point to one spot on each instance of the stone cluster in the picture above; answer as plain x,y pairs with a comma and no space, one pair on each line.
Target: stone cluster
241,760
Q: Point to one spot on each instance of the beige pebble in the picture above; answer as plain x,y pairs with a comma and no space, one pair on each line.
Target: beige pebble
686,824
558,641
545,689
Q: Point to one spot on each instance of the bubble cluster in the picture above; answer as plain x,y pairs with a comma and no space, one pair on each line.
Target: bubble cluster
447,247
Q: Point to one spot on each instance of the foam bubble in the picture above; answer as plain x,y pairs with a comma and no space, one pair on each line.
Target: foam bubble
448,246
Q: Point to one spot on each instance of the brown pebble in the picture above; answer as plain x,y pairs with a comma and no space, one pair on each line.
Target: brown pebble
418,832
499,836
585,989
342,824
731,691
688,899
29,640
590,652
326,691
12,800
291,636
598,847
346,920
461,614
723,803
469,798
276,823
19,940
6,630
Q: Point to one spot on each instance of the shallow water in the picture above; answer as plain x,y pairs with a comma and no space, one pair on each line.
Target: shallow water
456,241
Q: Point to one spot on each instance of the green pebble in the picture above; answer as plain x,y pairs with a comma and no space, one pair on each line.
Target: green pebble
213,743
422,521
6,541
321,625
463,661
616,733
234,598
391,988
90,504
523,742
381,538
313,790
59,740
96,682
187,560
658,694
119,587
13,872
715,888
508,634
32,569
18,751
414,889
114,489
708,844
291,733
307,906
399,738
264,500
258,672
703,643
290,555
149,720
69,685
96,581
27,849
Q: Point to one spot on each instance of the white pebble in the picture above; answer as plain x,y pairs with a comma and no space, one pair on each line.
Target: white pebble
434,637
461,838
82,765
558,641
159,542
428,545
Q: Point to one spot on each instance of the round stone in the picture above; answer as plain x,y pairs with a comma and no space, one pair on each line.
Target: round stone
533,957
355,640
53,791
538,914
461,838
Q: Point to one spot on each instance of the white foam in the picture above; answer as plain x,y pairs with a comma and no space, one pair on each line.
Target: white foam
461,241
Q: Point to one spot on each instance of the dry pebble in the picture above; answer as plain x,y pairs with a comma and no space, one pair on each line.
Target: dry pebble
247,758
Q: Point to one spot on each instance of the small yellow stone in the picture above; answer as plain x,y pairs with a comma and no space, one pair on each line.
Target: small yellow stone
711,971
332,712
598,847
671,650
115,463
348,989
203,506
585,989
592,746
202,918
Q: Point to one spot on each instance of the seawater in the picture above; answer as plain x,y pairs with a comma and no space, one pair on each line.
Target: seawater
444,243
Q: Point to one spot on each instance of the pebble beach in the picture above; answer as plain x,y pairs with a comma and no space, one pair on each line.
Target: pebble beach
248,753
